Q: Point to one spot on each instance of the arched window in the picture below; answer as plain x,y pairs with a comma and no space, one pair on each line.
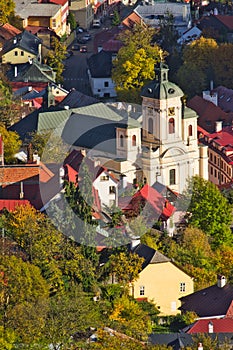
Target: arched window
190,130
172,177
150,126
134,139
121,141
171,126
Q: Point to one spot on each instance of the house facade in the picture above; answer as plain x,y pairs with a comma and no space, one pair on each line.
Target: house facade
160,281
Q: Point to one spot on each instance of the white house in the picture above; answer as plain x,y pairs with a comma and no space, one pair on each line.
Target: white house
100,74
107,186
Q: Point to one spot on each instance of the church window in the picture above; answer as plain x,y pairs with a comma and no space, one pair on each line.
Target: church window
134,139
150,111
190,130
121,141
172,177
150,126
171,126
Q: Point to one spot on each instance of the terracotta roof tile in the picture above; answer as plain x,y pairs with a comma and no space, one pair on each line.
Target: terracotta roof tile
12,204
220,325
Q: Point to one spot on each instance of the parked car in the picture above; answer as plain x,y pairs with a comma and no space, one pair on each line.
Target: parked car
75,47
87,37
81,40
96,23
83,49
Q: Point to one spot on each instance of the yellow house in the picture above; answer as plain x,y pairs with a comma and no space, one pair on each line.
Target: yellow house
51,14
22,48
160,281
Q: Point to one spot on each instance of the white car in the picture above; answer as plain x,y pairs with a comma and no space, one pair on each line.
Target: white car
96,23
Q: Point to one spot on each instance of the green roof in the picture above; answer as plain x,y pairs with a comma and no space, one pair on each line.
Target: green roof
189,113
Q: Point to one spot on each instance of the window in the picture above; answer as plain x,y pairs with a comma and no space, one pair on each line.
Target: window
22,53
134,139
190,130
121,141
150,111
211,170
16,53
215,160
171,126
150,126
215,173
106,84
142,290
104,178
211,157
112,189
172,177
182,287
54,23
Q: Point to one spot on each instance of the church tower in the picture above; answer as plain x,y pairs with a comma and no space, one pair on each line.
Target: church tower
170,152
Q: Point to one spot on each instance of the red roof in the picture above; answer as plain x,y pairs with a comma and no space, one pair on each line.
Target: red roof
8,31
220,325
132,19
112,45
59,2
12,204
162,207
71,174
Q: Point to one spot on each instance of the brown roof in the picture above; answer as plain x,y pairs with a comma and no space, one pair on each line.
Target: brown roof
225,98
226,20
131,20
209,302
209,113
7,31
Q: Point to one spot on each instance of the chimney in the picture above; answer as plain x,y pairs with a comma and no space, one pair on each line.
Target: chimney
200,347
218,126
1,151
61,175
66,107
16,71
221,281
83,152
29,154
210,327
21,195
211,85
123,181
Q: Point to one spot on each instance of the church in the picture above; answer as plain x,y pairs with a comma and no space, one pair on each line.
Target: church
159,145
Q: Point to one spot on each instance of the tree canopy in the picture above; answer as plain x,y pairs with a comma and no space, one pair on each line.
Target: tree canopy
11,142
55,58
209,211
134,64
7,11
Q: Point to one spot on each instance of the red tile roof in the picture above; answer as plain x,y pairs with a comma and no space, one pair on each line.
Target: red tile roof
162,207
12,204
59,2
112,45
220,325
208,113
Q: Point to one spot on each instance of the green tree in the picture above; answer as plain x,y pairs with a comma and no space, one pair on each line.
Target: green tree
71,20
70,313
134,64
209,211
55,58
7,11
11,142
125,267
222,66
116,20
197,69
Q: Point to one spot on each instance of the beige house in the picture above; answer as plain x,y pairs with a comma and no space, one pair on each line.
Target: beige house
83,12
22,48
160,281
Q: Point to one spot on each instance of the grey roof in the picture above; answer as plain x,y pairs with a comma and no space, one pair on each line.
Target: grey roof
161,87
100,64
28,8
24,41
151,14
211,301
76,99
176,340
150,255
32,72
183,340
